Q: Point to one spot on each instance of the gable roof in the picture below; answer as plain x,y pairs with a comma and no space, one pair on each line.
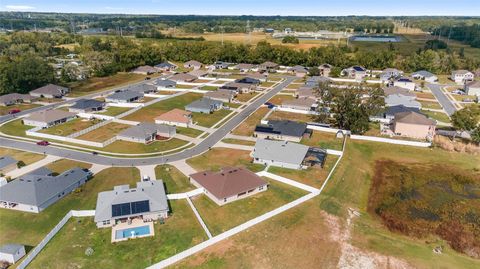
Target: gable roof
224,94
473,84
49,115
423,73
413,118
176,115
198,73
280,151
403,79
397,99
392,110
50,89
282,127
301,101
14,97
269,64
204,103
125,95
6,161
143,88
357,68
299,68
145,129
244,66
194,63
229,181
397,90
87,103
183,77
10,248
145,69
165,65
461,72
165,82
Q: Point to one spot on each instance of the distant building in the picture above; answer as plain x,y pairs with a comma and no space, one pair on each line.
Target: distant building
146,132
145,70
87,105
198,73
143,88
183,77
204,105
414,125
281,130
325,70
462,76
355,72
244,67
279,153
39,189
314,81
50,91
7,164
268,66
229,184
175,117
124,97
249,80
390,73
299,71
16,98
11,253
392,90
221,65
239,87
48,118
405,83
398,99
148,201
193,64
472,88
166,66
222,95
425,75
165,83
301,103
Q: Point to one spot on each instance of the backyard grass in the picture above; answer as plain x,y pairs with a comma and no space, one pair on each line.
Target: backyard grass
431,105
67,250
219,81
15,128
188,131
5,109
132,148
217,158
184,86
247,127
105,132
323,140
24,156
440,116
221,218
174,180
208,120
70,127
238,142
94,84
267,84
114,111
149,113
294,86
426,95
282,115
63,165
280,98
209,88
29,228
244,97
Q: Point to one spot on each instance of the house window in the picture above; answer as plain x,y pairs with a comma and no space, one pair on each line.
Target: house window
260,188
224,199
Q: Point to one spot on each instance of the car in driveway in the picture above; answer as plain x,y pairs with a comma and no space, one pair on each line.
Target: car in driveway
43,143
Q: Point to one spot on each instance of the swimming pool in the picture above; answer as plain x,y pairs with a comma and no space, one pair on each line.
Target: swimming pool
132,232
376,38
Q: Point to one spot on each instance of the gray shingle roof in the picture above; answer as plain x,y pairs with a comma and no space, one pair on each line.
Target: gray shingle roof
423,73
50,89
280,151
6,161
49,115
146,129
125,95
283,127
87,103
143,88
204,103
165,83
10,248
14,97
152,191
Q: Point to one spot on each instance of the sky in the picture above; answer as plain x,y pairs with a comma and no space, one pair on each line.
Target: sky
252,7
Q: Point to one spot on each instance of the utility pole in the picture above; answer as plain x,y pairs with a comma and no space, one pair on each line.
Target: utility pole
249,37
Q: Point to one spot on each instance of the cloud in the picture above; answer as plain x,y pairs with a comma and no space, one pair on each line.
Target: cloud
19,7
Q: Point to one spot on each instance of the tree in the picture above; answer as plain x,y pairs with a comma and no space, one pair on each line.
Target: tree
314,71
290,39
467,118
476,135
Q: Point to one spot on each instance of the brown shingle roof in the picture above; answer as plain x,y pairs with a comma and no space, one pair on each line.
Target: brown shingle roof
50,115
175,115
413,118
228,182
183,77
303,102
474,84
397,90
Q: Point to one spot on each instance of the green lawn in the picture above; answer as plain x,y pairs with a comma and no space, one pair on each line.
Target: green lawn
238,142
217,158
131,147
175,181
323,140
150,112
24,156
105,132
67,249
208,120
15,128
209,88
221,218
70,127
114,111
440,116
189,131
5,109
428,104
29,228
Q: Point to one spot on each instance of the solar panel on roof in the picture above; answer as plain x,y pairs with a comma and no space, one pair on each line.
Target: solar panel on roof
140,207
130,208
121,209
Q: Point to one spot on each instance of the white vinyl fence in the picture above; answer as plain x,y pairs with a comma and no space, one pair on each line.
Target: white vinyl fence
89,129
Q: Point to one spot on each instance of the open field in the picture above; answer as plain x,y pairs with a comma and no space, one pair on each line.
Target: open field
70,127
5,109
114,110
208,120
63,165
248,126
323,140
67,250
24,156
29,229
174,180
221,218
217,158
188,131
105,132
156,146
282,115
149,113
294,86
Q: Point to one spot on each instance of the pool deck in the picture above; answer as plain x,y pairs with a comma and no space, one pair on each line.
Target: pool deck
135,223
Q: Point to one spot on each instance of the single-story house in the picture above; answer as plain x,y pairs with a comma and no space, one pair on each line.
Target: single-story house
145,70
193,64
299,71
221,65
390,111
244,67
223,95
397,90
126,96
413,124
16,98
405,83
87,105
306,92
143,88
398,99
165,83
355,72
268,66
238,87
204,105
39,189
279,153
198,73
473,88
301,103
166,66
146,132
229,184
262,77
50,91
281,130
249,80
389,73
48,118
424,75
462,76
314,81
183,77
11,253
175,117
147,201
325,70
7,164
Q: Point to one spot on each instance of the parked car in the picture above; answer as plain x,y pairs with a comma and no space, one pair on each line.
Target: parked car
43,143
94,153
14,111
147,78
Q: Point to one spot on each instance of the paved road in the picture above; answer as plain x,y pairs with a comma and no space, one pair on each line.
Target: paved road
442,98
203,146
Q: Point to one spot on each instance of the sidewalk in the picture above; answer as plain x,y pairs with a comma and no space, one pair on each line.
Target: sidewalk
29,168
184,167
241,137
233,146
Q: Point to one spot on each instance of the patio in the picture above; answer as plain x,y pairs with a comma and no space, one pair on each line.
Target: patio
130,230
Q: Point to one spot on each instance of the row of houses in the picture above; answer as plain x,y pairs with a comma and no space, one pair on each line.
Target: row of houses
47,91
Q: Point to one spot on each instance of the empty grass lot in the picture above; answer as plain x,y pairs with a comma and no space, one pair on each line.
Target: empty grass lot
24,156
244,97
282,115
440,116
67,249
114,111
188,131
222,218
105,132
431,105
323,140
136,148
209,88
95,84
247,127
5,109
29,228
150,112
426,95
280,98
208,120
238,142
217,158
174,180
69,127
63,165
267,84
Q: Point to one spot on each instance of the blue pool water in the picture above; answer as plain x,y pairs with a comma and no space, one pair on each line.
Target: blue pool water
137,231
376,38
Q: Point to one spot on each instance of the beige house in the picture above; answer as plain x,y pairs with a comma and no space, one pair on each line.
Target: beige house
229,184
193,64
175,117
226,96
145,70
302,103
48,118
183,77
473,88
414,125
